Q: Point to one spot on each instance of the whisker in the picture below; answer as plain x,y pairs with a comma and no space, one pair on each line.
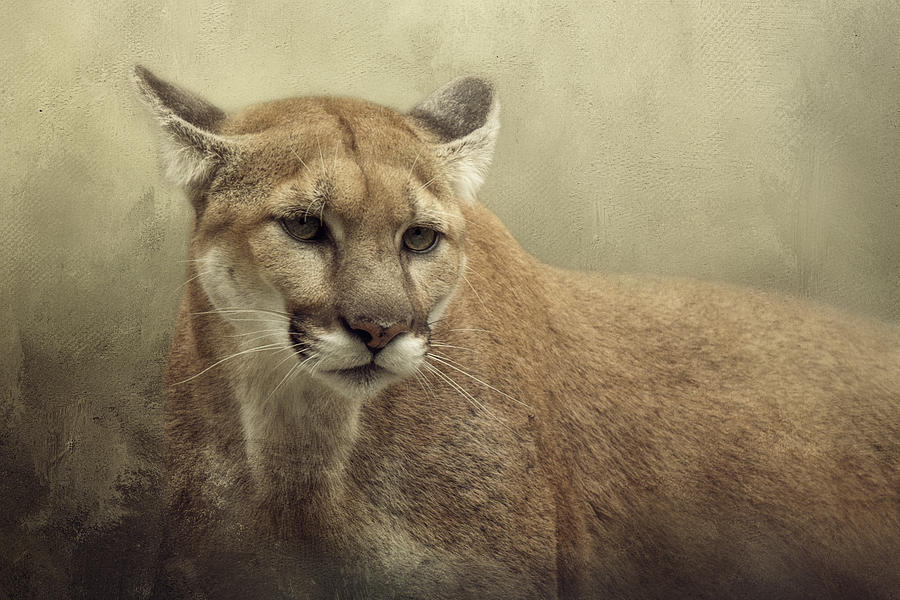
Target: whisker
255,332
238,309
469,268
465,394
293,348
294,152
420,377
425,185
261,335
281,322
293,369
448,362
466,279
317,364
235,355
317,203
269,321
191,279
256,338
275,389
409,175
440,345
321,157
470,397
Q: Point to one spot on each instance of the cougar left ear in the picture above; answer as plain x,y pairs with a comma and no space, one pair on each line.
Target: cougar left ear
189,124
465,115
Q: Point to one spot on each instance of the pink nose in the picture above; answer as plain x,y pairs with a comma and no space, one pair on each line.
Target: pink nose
375,336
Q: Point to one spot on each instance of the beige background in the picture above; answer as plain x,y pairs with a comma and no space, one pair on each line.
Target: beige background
753,142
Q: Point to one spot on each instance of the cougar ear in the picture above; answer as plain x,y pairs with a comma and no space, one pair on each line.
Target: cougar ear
193,149
465,115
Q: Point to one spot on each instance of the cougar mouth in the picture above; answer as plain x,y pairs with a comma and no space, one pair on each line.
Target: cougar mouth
340,358
361,373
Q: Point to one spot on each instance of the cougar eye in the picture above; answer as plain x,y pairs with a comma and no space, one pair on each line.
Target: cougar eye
304,228
420,239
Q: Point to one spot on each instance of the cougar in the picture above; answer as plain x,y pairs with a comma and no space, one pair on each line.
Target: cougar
375,392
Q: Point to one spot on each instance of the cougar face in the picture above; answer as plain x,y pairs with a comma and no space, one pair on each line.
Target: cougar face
351,252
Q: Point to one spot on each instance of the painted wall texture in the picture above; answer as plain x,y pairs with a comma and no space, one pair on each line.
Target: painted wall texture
752,142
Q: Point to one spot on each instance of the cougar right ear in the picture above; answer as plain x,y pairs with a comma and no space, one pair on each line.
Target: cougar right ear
189,123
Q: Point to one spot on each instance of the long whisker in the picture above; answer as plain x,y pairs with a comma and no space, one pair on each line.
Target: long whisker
294,152
466,279
201,274
243,310
409,175
423,382
292,370
235,355
269,321
465,394
246,333
264,317
293,348
262,336
321,157
317,364
440,345
425,185
482,330
446,361
470,397
318,203
469,268
275,389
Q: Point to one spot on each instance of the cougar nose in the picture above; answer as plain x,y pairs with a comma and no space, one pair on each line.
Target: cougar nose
373,335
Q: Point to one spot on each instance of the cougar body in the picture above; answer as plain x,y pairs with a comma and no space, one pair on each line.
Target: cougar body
354,415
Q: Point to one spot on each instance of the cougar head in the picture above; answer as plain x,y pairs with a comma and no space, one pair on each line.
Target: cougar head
326,229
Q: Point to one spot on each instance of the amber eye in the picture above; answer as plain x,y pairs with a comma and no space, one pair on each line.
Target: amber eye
303,228
420,239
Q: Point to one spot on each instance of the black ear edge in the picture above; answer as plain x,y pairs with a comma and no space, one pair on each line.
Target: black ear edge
167,100
458,108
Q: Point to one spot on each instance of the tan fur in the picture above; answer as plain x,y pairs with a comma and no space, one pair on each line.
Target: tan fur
625,437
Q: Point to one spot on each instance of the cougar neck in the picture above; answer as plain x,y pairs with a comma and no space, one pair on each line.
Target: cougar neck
297,433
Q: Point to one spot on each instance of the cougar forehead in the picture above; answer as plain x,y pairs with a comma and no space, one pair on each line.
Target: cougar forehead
366,163
309,129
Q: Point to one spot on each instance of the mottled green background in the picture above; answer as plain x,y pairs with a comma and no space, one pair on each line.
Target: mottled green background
754,142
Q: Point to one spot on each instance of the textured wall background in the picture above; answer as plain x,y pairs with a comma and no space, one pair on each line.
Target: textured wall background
752,142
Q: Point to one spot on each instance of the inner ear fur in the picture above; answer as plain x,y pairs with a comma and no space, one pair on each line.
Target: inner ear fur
189,123
464,114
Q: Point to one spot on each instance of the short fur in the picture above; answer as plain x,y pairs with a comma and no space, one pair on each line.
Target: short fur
532,433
